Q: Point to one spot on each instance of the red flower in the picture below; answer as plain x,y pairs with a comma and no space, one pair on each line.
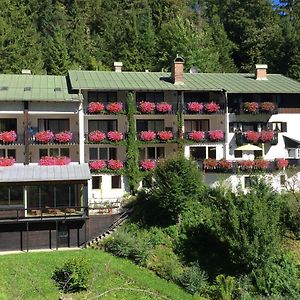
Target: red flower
261,164
6,161
212,107
148,164
115,136
96,136
225,164
95,107
246,164
115,164
195,107
251,107
281,163
64,137
163,107
210,163
52,160
197,136
165,135
114,107
252,136
45,136
147,135
146,107
267,136
216,135
8,136
267,106
97,165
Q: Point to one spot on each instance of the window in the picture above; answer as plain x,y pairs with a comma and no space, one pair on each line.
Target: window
258,154
293,152
152,153
199,97
96,182
116,182
8,124
102,97
203,152
55,125
103,125
152,97
198,125
103,153
55,152
279,126
154,125
245,126
250,181
8,153
238,153
11,195
212,152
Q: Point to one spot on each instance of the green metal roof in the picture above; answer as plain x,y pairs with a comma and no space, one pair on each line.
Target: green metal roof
157,81
35,88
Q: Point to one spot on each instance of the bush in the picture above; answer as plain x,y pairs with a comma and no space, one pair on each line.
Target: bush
72,276
194,280
163,261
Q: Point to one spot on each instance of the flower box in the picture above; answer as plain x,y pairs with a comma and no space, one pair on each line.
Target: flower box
251,107
146,107
63,137
97,165
246,164
194,107
281,163
261,164
211,107
115,164
197,136
95,107
114,107
8,136
6,161
225,164
147,135
115,136
96,136
210,164
216,135
163,107
148,164
267,107
266,136
45,136
54,160
165,135
252,136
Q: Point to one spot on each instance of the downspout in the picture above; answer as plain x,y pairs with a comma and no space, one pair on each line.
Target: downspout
81,130
226,143
26,133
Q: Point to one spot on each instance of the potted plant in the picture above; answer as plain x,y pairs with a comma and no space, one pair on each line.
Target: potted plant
114,107
148,164
8,136
165,135
211,107
194,107
96,136
197,136
115,164
224,164
266,136
63,137
147,135
267,107
95,107
97,165
246,164
115,136
261,164
6,161
252,136
54,160
146,107
281,163
216,135
44,136
210,164
163,107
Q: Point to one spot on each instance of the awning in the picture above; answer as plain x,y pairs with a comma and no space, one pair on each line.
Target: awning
291,142
248,147
35,173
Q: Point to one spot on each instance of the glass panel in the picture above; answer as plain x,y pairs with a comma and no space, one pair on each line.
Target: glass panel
112,153
198,153
102,96
93,153
141,125
33,196
75,195
160,152
64,152
212,152
102,125
47,196
103,153
238,153
96,182
156,125
151,153
11,153
8,124
2,153
116,182
54,152
16,195
43,152
62,195
55,125
152,97
142,153
4,200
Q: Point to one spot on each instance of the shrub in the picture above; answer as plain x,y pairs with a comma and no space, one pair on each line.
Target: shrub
72,276
224,287
163,261
194,280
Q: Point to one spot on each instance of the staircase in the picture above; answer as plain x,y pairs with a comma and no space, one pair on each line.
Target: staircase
112,228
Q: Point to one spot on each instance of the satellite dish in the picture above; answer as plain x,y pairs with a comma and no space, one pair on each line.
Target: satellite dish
194,70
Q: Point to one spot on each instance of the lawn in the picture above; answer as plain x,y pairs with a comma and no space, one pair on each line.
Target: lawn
28,276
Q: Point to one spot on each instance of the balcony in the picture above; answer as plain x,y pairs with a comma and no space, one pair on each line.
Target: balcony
148,108
255,108
210,108
8,138
254,137
105,108
112,166
111,137
47,137
154,137
212,136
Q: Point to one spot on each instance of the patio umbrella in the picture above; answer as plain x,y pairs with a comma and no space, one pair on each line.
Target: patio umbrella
248,147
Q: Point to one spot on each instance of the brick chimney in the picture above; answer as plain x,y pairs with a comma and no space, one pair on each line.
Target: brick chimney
177,70
261,72
118,66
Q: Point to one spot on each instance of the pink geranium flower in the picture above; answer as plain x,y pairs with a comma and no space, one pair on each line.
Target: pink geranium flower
210,164
8,136
146,107
6,161
64,137
281,163
216,135
251,107
115,136
267,106
212,107
194,107
261,164
165,135
163,107
147,135
114,107
252,136
53,160
148,164
267,136
246,164
225,164
115,164
95,107
97,165
45,136
96,136
197,136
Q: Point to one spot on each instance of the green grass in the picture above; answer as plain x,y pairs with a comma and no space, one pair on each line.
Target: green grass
28,276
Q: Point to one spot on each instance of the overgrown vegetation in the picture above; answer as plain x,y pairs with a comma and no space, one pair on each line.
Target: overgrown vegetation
212,242
215,36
